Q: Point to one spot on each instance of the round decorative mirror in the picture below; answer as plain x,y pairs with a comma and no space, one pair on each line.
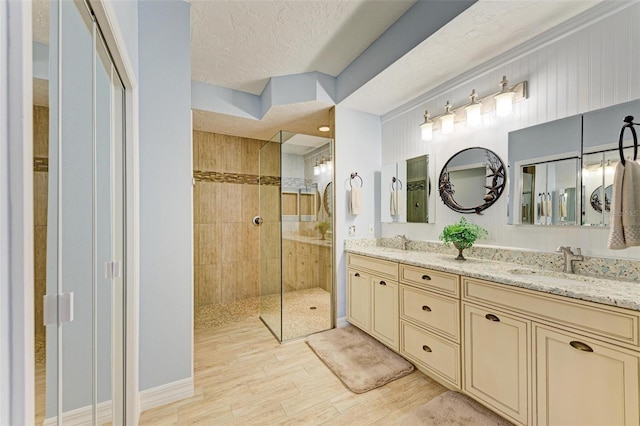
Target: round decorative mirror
327,198
595,198
472,180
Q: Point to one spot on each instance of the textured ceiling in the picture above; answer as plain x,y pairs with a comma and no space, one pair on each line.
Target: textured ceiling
241,44
296,118
485,30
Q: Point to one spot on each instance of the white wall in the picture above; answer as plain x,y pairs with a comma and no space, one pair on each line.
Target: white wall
357,149
593,67
166,249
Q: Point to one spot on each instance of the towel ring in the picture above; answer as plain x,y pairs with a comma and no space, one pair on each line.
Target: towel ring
396,181
628,124
353,176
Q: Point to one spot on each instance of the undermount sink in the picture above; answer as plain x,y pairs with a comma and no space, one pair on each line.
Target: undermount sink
552,276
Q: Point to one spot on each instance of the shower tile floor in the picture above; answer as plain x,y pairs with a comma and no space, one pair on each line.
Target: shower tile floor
299,317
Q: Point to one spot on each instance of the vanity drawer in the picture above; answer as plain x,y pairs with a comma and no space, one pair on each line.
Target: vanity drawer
431,353
382,268
599,320
441,282
439,314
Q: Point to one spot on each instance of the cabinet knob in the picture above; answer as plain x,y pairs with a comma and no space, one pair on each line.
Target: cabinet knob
581,346
426,308
383,283
426,277
492,317
357,274
426,348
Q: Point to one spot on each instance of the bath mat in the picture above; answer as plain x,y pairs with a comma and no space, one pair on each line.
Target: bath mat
357,359
453,408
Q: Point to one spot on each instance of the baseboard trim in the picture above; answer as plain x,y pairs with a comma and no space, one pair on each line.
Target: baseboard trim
166,394
83,416
342,322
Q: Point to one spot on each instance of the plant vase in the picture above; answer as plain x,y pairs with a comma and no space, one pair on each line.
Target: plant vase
460,247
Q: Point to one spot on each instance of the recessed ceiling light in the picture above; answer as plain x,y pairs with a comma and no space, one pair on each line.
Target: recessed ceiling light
324,128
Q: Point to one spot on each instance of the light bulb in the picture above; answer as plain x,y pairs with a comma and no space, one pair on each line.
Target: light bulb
316,169
504,99
474,111
323,166
447,120
427,127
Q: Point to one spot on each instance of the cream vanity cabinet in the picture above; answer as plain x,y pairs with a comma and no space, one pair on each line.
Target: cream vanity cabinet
533,357
497,360
430,322
372,297
542,359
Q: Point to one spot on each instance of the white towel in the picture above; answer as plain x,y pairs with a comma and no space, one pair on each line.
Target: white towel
396,203
356,201
549,207
625,207
563,206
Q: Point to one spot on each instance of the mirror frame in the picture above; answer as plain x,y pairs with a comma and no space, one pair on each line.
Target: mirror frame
498,183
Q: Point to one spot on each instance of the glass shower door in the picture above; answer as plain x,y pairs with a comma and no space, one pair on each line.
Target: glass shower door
270,229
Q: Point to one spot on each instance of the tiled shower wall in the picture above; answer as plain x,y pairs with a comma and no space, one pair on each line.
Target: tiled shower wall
226,243
40,191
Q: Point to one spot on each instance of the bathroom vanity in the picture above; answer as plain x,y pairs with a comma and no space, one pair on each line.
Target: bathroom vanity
537,347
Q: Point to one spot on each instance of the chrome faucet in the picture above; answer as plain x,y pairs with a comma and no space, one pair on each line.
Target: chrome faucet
569,258
403,241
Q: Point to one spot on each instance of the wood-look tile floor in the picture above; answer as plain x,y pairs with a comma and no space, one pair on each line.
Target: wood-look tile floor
243,376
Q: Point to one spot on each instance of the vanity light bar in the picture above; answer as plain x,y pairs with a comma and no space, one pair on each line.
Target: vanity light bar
487,104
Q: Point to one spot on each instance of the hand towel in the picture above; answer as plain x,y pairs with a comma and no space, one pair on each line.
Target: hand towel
625,207
356,201
549,206
563,206
396,203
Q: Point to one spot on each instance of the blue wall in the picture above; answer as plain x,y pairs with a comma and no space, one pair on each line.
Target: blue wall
166,267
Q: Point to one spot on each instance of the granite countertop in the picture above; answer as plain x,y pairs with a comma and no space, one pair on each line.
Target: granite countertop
624,294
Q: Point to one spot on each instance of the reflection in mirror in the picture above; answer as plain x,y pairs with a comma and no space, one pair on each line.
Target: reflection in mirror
472,180
393,191
540,193
327,199
418,189
597,173
548,193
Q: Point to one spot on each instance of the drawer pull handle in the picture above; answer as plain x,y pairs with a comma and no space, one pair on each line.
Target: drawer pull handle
492,317
357,274
581,346
426,348
426,308
383,283
426,277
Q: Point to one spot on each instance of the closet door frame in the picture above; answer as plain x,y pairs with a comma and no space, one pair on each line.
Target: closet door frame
115,41
16,210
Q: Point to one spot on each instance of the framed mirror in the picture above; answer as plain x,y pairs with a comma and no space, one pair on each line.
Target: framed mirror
405,191
472,180
418,189
543,173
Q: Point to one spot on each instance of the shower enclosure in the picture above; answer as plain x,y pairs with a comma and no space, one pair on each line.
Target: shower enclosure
296,238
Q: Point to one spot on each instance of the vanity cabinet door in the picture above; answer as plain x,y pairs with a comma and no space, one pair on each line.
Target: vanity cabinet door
584,382
497,361
385,321
359,299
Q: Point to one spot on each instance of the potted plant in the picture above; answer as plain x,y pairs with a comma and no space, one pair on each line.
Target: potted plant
323,227
462,235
